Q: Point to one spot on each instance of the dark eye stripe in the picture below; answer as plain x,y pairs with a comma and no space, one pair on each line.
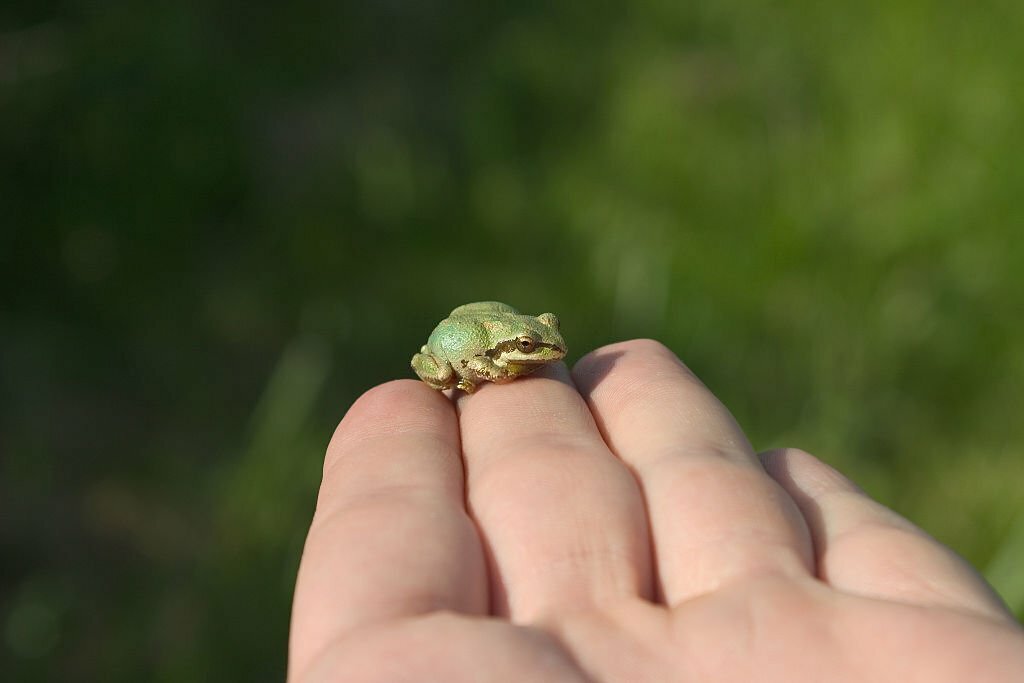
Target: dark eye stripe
514,345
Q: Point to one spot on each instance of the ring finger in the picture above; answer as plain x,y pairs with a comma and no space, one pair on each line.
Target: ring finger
715,515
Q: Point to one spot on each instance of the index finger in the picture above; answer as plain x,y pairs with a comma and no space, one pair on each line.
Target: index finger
390,537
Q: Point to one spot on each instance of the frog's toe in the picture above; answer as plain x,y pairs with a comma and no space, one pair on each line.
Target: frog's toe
466,386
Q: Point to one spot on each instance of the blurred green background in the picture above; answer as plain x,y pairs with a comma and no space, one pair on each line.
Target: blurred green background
223,221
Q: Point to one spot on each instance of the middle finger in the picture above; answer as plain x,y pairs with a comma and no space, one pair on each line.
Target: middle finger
562,519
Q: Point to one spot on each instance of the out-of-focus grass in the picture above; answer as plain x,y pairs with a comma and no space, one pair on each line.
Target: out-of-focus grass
1004,571
222,224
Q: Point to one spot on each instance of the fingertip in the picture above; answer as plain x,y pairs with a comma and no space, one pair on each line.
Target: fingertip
394,391
397,396
400,405
557,372
596,364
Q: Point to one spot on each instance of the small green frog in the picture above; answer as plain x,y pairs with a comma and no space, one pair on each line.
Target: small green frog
489,341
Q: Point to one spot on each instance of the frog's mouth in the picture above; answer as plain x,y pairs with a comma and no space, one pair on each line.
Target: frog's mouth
522,368
519,363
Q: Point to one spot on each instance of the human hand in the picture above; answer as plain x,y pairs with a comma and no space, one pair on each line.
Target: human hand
615,525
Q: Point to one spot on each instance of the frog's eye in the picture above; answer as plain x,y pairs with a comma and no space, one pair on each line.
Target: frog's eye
526,344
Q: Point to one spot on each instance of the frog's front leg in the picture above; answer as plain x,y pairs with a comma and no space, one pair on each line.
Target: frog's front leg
483,367
436,372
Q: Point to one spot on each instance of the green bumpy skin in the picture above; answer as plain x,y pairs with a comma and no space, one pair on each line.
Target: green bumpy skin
487,341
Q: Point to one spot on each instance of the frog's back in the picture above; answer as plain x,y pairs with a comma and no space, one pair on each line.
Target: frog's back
453,337
483,308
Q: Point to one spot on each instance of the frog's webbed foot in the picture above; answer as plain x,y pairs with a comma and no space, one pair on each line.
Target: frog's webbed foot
437,373
484,368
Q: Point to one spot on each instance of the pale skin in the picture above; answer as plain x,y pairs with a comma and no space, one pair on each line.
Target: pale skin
614,524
